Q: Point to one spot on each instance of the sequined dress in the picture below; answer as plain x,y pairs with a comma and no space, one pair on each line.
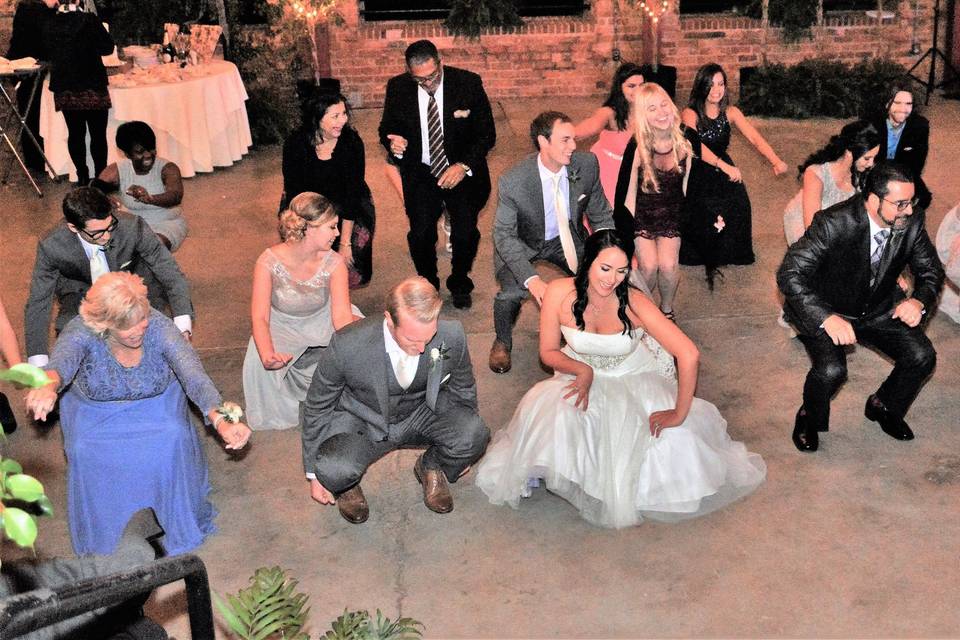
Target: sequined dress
129,439
711,194
604,460
300,324
658,214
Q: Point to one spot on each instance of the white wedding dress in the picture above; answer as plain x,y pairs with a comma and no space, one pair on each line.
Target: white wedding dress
604,460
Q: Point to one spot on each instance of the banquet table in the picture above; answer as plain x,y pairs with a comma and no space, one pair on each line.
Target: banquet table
200,120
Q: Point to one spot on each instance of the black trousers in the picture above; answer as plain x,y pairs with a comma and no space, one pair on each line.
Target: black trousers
424,202
455,439
912,353
510,297
78,122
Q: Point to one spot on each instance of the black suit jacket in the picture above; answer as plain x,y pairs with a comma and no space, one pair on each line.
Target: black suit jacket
468,129
827,271
911,150
62,270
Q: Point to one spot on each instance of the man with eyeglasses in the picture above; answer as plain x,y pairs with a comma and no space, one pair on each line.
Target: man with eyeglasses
93,240
840,285
437,124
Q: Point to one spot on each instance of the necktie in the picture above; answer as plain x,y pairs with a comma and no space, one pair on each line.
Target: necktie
880,237
563,225
438,157
98,264
406,369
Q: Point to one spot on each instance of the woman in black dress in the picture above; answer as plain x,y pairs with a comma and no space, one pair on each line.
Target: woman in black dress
326,156
75,42
718,228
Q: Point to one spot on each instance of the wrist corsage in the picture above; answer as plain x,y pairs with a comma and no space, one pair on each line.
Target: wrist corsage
229,411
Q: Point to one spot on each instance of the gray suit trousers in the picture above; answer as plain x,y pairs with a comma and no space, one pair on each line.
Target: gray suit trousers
455,439
506,304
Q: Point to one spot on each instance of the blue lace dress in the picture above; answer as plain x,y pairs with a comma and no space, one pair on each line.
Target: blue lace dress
129,439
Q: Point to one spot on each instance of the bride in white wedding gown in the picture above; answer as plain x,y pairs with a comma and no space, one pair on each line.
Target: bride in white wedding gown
617,431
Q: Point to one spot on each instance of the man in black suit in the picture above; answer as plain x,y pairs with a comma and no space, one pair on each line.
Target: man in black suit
438,125
840,285
91,241
905,137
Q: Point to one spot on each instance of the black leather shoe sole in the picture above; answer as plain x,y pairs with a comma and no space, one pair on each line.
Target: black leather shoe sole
803,438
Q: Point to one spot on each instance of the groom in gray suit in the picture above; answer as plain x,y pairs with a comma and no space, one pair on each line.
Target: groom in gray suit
543,201
93,240
383,383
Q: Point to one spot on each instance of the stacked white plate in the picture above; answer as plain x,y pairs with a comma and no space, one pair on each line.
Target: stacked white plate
143,57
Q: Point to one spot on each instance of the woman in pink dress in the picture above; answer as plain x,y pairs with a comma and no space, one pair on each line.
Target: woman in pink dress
613,124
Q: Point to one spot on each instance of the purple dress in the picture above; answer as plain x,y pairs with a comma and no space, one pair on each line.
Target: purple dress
129,439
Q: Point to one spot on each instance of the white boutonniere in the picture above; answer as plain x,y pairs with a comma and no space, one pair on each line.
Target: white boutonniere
437,354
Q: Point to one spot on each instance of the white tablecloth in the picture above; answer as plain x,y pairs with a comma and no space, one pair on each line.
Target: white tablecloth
200,122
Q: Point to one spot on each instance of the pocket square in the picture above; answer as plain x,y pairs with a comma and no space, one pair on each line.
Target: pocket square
908,148
445,378
582,197
125,265
461,113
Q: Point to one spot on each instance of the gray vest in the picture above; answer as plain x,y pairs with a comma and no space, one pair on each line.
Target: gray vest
403,402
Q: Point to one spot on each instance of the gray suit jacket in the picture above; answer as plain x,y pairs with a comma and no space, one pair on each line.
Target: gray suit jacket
62,270
518,229
352,377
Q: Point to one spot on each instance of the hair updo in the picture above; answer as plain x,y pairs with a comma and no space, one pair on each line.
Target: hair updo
303,209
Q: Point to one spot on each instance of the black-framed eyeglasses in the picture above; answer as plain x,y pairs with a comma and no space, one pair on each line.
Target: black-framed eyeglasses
902,205
430,79
96,235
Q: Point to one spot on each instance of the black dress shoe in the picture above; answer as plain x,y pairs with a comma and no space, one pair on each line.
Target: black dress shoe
804,438
892,425
462,300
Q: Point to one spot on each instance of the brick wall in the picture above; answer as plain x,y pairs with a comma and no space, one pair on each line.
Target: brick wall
572,56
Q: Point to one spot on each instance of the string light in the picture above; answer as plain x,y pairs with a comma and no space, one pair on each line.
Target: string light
653,11
303,10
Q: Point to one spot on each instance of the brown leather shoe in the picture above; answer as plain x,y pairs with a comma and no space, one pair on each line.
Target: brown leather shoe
500,357
353,505
436,491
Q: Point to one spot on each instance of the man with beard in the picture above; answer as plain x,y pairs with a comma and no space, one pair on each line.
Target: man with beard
840,285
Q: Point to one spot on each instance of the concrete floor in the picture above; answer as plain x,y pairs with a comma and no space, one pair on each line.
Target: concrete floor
858,539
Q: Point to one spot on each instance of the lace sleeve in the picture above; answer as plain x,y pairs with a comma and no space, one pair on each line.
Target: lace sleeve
186,366
666,366
70,350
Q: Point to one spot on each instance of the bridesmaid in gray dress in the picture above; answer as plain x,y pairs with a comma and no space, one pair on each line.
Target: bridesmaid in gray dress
300,297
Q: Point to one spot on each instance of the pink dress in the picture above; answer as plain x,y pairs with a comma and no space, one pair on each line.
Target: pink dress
609,151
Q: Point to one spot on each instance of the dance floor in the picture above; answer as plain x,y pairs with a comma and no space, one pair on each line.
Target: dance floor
858,539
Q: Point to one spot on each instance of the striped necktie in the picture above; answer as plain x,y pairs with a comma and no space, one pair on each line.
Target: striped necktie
880,237
438,158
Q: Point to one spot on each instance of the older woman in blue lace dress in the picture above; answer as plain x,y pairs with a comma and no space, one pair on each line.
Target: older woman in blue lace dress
125,372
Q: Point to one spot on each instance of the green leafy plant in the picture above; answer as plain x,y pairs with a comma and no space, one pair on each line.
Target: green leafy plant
794,17
17,489
470,17
268,608
818,87
360,625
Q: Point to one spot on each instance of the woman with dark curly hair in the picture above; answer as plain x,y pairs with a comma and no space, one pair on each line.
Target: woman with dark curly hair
617,431
831,174
300,297
326,156
719,228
